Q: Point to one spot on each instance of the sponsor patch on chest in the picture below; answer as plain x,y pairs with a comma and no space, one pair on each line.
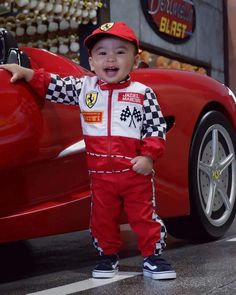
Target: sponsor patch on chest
92,117
132,97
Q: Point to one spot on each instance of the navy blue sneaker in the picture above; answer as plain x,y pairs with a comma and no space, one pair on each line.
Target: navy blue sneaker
107,267
157,268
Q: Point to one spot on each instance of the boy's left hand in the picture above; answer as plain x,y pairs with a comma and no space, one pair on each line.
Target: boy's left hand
142,165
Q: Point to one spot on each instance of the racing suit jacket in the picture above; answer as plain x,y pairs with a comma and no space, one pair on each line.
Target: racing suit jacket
119,121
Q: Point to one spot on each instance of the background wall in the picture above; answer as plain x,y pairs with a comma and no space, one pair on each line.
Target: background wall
206,45
232,43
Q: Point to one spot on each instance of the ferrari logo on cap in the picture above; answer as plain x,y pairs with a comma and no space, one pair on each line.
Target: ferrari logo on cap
106,27
91,98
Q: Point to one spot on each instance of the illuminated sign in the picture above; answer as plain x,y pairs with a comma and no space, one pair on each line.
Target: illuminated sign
173,20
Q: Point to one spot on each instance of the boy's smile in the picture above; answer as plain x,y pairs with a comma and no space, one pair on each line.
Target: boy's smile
111,71
112,59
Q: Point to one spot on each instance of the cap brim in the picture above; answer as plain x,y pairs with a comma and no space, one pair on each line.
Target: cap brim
93,39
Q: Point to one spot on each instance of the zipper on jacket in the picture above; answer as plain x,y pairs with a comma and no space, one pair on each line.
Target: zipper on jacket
110,91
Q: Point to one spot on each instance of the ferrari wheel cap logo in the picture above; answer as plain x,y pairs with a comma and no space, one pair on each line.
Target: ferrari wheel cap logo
106,27
216,174
91,98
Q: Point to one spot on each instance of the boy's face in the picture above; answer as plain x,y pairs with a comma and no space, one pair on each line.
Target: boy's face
112,59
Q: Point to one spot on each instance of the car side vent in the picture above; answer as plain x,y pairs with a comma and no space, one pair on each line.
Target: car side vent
25,62
170,121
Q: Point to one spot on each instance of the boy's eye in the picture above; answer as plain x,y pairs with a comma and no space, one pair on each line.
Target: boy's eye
102,53
120,52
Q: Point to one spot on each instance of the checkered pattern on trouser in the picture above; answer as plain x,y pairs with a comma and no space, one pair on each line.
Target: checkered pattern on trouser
153,121
161,244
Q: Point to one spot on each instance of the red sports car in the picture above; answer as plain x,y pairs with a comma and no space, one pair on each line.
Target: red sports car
44,183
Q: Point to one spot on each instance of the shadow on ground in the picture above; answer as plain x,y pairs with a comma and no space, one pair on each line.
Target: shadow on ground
16,261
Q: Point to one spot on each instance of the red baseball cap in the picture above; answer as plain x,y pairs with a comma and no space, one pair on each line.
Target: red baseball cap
117,29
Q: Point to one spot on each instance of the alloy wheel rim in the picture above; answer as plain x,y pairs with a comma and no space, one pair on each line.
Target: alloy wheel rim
216,174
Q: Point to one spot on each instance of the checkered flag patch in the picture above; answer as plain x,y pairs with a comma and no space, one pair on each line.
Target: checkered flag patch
134,116
137,115
125,114
64,90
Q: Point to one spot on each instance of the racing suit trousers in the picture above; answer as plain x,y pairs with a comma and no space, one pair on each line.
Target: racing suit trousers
111,193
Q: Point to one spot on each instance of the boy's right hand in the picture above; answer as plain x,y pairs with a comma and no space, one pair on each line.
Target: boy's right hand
18,72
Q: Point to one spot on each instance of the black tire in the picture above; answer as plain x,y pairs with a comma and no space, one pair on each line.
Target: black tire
212,185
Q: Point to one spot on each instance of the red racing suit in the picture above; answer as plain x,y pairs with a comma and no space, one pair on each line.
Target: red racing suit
119,122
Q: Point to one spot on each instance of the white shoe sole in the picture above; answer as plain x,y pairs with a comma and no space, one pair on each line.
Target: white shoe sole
165,275
104,274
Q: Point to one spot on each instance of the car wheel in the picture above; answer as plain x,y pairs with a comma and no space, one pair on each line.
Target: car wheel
212,186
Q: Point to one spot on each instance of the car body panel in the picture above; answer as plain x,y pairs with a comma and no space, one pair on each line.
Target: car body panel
44,186
185,96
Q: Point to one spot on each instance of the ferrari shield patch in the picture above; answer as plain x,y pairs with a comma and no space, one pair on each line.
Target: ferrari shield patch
91,98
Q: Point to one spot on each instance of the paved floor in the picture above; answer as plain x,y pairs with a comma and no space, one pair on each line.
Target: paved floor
62,265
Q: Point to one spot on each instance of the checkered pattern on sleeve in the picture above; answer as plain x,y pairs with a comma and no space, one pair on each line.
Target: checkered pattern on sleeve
153,121
64,90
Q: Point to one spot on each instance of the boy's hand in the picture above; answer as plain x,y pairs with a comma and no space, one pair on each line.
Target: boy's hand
18,72
142,165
